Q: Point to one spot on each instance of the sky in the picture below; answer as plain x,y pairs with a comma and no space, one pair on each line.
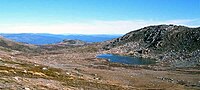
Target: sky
94,16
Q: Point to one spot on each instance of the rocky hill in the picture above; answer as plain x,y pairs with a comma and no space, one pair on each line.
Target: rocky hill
72,42
172,45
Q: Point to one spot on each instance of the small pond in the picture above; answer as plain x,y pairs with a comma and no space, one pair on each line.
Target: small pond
126,59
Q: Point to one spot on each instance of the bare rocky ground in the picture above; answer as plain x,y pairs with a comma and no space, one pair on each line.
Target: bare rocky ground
77,68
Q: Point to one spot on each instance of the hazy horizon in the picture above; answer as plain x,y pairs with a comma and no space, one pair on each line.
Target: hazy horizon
117,34
94,16
66,34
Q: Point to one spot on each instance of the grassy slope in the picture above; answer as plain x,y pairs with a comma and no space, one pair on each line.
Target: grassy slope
7,44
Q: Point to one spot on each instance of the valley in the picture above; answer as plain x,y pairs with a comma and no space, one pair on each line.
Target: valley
76,67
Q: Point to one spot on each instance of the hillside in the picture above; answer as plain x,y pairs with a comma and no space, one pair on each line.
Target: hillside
8,45
172,45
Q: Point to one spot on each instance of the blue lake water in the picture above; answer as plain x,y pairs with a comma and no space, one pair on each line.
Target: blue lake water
126,59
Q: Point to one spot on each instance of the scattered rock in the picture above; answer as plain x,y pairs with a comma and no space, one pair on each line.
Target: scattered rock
26,88
44,68
25,71
16,78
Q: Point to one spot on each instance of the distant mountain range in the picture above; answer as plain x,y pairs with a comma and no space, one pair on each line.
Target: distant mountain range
40,39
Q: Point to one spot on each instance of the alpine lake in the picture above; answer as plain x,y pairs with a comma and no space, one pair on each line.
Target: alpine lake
126,59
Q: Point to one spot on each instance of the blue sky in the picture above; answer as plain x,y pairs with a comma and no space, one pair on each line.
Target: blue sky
94,16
